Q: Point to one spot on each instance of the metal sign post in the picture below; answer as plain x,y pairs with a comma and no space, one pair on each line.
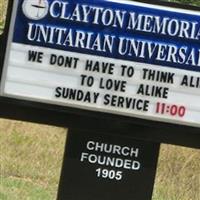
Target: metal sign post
98,166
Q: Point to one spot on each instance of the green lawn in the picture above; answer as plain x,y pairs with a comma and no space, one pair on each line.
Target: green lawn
30,160
22,189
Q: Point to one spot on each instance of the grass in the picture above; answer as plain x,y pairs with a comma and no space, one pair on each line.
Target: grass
16,188
178,174
3,6
30,160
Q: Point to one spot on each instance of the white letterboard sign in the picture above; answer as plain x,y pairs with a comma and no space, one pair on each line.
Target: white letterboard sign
125,58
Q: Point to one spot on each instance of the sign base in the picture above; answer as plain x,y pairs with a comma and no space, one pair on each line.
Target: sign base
104,167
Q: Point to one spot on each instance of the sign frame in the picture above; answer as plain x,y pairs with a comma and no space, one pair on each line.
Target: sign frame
84,119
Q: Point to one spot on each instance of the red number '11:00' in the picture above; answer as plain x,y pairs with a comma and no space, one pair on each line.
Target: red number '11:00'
173,110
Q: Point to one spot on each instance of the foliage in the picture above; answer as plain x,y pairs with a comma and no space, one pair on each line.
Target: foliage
186,2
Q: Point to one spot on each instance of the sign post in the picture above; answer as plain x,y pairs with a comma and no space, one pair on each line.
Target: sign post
98,166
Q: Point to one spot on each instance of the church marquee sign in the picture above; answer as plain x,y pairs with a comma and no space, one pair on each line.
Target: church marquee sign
125,58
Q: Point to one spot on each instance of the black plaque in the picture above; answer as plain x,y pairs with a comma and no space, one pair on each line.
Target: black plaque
103,167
